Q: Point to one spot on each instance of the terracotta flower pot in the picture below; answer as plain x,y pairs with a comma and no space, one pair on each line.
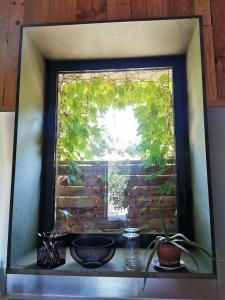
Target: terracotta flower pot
169,255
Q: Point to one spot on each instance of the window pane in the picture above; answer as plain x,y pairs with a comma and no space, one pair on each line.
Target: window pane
115,151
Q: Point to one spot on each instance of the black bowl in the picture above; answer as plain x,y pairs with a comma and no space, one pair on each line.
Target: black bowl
92,251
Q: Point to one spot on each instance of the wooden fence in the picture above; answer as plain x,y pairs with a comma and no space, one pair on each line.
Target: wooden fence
88,201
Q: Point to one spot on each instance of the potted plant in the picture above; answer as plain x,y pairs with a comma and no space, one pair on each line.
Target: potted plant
169,247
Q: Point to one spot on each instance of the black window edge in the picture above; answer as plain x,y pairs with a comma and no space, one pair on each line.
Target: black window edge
53,68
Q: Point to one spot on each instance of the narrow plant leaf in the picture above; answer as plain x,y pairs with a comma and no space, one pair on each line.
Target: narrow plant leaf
150,260
183,237
163,221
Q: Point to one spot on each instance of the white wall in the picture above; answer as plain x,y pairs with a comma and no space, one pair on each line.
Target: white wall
6,148
216,121
28,165
199,177
216,134
26,198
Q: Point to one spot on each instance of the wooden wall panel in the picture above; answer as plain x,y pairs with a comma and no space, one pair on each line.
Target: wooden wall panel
174,8
220,70
154,8
118,10
37,11
218,21
138,9
202,8
218,17
16,19
210,72
91,10
63,11
4,25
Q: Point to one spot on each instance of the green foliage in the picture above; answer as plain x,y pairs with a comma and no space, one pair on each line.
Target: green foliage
166,188
155,120
75,174
116,186
82,102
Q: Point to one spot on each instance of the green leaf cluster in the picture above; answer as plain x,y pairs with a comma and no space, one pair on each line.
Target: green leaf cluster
82,102
117,183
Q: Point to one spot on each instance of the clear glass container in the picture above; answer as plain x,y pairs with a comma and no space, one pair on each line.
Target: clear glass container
131,247
132,230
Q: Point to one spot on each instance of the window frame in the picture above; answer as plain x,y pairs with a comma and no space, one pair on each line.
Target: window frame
183,183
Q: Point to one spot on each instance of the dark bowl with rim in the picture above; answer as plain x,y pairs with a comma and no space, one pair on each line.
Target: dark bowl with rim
93,251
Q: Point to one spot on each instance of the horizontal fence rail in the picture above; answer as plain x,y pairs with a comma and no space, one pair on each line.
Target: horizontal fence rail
88,197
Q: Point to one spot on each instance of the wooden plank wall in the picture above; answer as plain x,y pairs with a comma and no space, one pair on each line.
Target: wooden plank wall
218,19
13,13
87,200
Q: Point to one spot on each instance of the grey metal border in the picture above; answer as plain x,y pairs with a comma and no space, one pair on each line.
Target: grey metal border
113,288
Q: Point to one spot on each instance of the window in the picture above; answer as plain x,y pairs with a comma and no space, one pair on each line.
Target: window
102,169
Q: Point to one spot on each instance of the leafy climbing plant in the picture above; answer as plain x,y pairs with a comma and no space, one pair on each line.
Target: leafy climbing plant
83,101
117,183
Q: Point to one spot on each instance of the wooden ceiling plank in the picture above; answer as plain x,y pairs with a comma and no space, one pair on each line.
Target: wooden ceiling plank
63,11
111,10
154,8
91,10
138,9
210,71
100,7
4,108
4,26
202,8
218,22
37,11
177,8
220,73
16,19
4,19
118,10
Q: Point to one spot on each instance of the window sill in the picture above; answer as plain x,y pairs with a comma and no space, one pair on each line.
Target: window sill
114,268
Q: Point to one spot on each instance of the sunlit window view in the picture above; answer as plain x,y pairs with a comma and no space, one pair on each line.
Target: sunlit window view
115,151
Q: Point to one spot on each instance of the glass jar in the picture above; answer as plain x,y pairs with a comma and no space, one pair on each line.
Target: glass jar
132,230
131,245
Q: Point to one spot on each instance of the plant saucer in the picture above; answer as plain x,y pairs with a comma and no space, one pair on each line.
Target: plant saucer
156,263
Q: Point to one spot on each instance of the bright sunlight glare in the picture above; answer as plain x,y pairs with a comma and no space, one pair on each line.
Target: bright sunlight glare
120,126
